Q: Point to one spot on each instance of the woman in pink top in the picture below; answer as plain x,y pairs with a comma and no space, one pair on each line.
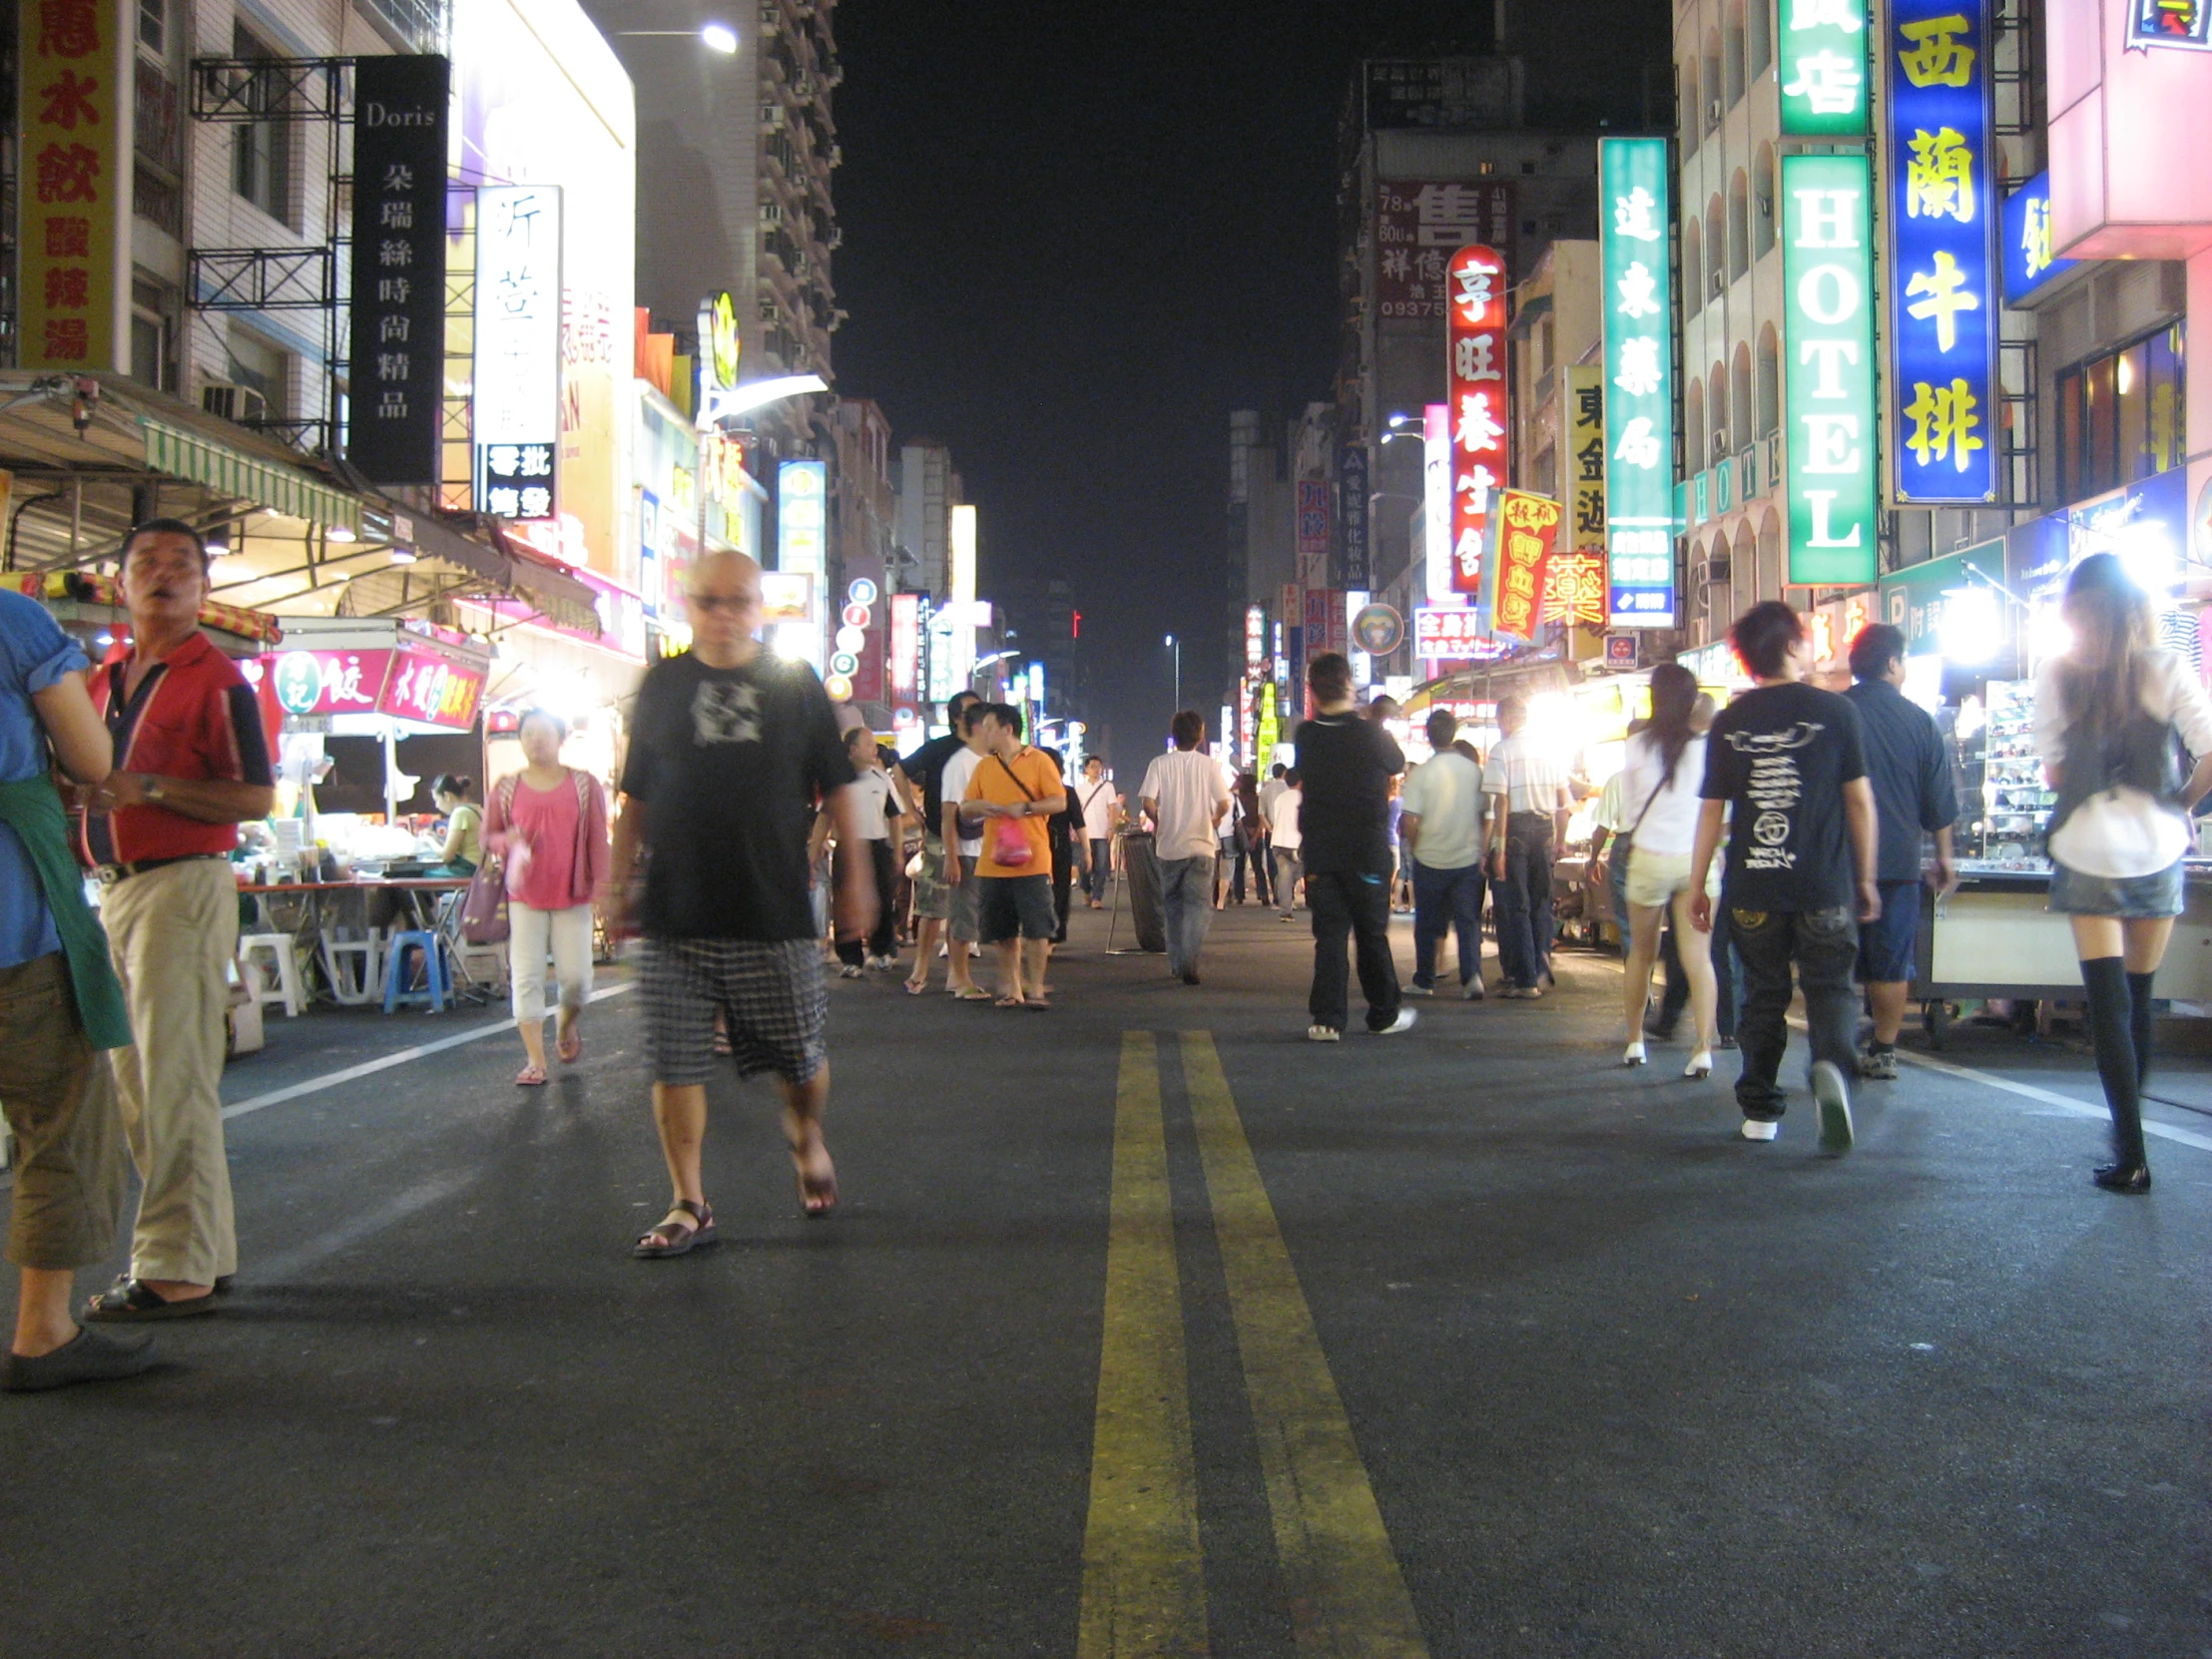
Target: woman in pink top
548,826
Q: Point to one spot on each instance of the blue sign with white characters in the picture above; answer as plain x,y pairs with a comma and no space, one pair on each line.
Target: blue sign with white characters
1944,297
2026,242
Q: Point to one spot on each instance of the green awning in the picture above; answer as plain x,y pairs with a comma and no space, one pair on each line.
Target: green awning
184,454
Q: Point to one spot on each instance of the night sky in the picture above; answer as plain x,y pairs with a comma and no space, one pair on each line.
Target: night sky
1076,238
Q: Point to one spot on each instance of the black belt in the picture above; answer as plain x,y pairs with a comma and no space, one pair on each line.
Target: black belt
110,875
1545,817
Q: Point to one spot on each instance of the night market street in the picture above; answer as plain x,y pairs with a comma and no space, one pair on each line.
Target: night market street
1618,1382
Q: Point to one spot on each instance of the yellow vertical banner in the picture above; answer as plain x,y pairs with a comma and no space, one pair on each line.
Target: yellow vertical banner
73,191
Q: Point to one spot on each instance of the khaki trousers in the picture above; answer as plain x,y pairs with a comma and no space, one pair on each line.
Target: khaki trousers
171,932
70,1180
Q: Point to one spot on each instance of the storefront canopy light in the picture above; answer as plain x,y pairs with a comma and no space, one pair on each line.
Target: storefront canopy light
719,37
725,402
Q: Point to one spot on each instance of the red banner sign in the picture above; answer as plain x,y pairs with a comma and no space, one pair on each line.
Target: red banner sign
432,689
1476,342
1527,526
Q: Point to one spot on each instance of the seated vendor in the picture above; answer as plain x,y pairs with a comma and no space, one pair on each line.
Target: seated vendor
464,830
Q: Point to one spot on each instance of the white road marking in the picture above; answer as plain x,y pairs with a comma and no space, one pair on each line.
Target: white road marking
368,1068
289,1264
2048,1097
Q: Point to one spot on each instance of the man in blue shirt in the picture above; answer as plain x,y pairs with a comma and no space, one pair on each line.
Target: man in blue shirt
59,1006
1914,799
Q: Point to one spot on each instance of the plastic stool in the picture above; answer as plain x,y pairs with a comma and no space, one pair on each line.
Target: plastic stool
435,991
352,989
286,954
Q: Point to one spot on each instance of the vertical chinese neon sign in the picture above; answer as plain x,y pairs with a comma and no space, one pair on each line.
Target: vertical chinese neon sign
1943,300
1821,66
1435,451
73,194
1827,296
1474,285
1639,381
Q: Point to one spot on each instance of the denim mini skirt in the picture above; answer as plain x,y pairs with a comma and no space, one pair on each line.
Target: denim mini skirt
2129,898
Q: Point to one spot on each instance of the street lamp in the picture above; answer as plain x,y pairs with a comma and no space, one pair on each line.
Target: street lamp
1176,646
716,37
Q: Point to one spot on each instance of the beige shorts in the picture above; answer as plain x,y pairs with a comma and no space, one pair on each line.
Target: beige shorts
1655,877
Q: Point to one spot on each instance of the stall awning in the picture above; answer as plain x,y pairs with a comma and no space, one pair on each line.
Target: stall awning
558,596
203,460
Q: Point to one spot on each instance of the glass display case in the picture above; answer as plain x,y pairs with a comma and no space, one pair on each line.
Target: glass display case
2002,787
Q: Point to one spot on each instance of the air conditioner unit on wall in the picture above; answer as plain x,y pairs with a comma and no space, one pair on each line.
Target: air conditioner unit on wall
226,402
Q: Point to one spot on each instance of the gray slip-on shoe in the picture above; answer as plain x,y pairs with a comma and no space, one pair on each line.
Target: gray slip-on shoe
94,1357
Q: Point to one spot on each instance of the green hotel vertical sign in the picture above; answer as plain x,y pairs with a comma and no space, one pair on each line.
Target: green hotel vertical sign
1633,220
1821,64
1828,310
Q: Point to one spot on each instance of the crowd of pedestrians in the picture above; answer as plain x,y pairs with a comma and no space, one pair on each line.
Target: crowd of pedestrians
1780,845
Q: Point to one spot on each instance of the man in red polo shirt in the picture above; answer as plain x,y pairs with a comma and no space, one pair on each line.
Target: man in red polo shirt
190,764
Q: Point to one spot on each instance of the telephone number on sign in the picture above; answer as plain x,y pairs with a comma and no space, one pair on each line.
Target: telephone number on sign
1419,310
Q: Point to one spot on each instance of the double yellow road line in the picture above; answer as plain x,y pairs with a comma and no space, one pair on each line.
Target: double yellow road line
1144,1578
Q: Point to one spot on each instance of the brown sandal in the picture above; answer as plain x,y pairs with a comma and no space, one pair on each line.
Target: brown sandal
674,1237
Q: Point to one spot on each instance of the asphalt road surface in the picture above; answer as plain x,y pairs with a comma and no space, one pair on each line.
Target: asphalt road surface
1147,1328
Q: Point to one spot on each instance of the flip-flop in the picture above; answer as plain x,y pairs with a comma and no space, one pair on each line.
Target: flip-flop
912,989
1038,1002
1013,1002
571,1048
665,1239
810,1191
530,1077
971,993
132,1302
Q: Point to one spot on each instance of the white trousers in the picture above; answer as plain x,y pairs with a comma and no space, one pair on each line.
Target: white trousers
531,934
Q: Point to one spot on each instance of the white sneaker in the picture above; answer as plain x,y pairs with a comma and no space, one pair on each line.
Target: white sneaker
1633,1055
1323,1034
1833,1096
1756,1130
1701,1064
1404,1022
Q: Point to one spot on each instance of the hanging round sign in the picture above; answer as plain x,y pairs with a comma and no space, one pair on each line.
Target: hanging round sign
1379,629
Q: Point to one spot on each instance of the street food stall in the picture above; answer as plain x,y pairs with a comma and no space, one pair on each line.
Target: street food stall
91,611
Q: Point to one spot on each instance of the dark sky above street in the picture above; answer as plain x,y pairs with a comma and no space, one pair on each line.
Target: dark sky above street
1076,238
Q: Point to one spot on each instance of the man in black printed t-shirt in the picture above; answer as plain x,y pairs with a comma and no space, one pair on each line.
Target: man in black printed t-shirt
1786,763
730,751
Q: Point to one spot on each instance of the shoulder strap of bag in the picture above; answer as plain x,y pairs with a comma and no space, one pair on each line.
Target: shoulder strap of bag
1009,771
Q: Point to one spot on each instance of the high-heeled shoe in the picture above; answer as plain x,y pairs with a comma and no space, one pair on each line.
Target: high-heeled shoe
1633,1055
1701,1064
2132,1178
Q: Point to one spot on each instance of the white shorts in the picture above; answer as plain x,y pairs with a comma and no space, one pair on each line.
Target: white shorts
1655,877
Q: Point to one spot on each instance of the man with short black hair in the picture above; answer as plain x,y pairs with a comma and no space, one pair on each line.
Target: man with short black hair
191,765
1528,822
1345,763
1016,790
1100,806
1186,797
922,775
1786,759
963,846
1443,826
1914,799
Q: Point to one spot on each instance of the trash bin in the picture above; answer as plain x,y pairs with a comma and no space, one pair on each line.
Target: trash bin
1140,879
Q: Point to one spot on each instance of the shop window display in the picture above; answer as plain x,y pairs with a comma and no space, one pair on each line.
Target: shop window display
2121,416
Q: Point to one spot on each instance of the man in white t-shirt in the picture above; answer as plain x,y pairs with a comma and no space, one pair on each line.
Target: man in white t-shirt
1286,838
1444,816
1528,822
963,845
1186,798
1100,804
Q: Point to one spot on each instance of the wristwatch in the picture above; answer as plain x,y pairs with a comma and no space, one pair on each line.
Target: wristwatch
154,790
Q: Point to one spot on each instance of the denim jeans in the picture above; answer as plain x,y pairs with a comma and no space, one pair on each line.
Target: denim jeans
1185,906
1356,907
1524,901
1446,900
1263,888
1824,945
1286,879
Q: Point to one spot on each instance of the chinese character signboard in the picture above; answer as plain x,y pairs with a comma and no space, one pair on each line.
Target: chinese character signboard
1256,640
1821,66
431,689
803,517
1435,503
518,348
905,663
73,243
1312,531
1826,290
1474,338
1638,393
1417,226
1516,577
1454,636
1942,299
1351,516
2183,23
397,362
330,681
1586,458
2026,241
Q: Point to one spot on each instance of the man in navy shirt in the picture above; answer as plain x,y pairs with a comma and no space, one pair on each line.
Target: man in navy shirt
1914,800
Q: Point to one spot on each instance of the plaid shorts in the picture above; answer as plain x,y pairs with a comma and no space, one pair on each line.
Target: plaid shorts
772,996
